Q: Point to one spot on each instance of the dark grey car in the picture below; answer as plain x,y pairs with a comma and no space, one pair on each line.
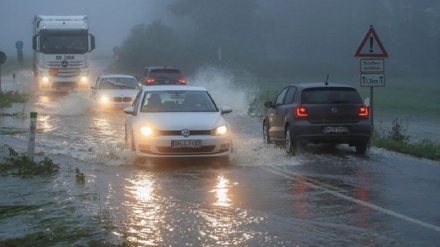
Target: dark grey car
318,113
154,75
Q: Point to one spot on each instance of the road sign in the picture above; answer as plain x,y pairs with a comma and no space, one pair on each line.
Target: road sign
371,46
20,55
373,80
116,50
372,65
19,45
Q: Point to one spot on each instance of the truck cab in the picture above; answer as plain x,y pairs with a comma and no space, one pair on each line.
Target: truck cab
62,45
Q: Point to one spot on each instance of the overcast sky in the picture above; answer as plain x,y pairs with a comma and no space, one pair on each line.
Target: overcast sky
110,20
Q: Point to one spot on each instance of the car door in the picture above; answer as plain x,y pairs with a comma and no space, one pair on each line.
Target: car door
129,121
277,115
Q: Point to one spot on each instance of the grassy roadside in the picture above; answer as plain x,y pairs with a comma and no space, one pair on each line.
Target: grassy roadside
7,98
396,140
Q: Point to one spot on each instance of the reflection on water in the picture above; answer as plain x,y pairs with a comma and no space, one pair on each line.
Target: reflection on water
221,191
45,123
145,213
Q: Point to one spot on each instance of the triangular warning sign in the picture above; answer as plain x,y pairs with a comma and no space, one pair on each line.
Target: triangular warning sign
371,46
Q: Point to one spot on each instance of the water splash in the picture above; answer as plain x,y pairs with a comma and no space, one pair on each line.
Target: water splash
227,88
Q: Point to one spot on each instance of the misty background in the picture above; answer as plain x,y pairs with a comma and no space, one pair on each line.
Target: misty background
276,38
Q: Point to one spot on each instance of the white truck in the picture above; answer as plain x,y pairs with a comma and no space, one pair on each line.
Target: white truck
62,45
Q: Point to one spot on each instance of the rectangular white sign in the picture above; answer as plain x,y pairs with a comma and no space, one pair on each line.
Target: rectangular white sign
372,66
373,80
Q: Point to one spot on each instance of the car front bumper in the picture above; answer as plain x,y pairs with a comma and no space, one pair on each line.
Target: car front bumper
161,146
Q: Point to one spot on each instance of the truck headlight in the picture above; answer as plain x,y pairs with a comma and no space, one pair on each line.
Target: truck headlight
84,79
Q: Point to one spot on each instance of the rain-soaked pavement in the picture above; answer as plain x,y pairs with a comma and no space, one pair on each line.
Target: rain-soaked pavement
324,197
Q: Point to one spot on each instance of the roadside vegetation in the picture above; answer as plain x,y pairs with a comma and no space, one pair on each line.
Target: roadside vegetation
7,98
396,140
20,165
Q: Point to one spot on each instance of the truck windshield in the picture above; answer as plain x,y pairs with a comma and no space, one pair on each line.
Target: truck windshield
61,43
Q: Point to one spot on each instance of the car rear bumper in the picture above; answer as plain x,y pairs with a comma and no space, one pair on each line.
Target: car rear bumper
313,133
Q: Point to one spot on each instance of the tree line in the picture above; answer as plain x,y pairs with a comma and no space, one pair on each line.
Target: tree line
280,38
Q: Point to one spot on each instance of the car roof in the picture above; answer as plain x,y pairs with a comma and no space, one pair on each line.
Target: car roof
161,67
173,88
117,76
320,84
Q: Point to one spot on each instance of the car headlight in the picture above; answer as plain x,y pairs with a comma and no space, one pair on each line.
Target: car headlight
45,79
104,99
148,131
220,131
84,79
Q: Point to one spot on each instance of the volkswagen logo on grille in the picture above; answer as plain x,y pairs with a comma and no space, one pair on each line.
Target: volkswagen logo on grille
64,63
334,110
185,133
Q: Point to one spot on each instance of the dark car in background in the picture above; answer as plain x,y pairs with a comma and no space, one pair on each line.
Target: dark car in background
163,75
318,113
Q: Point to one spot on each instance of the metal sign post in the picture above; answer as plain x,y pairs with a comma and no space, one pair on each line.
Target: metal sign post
372,70
32,128
19,46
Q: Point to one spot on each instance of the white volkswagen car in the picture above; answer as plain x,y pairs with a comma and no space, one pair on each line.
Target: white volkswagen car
115,91
177,121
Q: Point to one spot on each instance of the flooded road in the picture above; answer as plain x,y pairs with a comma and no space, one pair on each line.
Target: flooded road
323,197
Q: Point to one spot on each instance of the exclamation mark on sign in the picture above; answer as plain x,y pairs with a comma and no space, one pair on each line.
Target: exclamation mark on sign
371,44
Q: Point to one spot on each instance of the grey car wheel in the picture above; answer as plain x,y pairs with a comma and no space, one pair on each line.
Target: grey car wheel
266,138
292,144
289,143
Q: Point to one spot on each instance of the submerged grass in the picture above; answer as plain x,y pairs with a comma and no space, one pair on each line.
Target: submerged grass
22,165
7,98
12,131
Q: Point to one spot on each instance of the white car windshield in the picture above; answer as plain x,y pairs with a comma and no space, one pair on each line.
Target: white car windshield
178,101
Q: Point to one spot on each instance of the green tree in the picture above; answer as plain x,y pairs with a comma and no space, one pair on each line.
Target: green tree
149,45
234,27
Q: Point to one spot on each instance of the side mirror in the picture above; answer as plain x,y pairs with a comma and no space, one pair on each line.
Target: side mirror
92,42
129,110
34,43
225,109
268,104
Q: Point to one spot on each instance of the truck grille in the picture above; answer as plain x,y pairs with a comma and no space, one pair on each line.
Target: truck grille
57,64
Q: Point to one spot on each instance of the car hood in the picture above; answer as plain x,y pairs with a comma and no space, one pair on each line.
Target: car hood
182,120
117,93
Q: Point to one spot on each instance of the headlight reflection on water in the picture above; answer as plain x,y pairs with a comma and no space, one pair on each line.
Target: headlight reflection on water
145,214
221,192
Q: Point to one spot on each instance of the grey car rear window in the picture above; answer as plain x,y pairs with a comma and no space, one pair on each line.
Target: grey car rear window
328,95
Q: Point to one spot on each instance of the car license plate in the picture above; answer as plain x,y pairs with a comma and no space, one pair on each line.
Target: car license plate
335,129
186,143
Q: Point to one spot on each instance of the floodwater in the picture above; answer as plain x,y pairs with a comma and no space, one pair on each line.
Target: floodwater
264,198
